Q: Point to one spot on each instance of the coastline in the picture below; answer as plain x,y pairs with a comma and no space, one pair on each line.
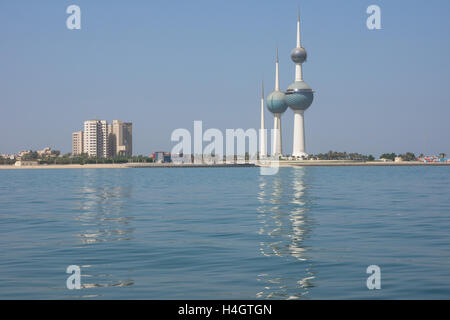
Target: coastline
63,166
282,163
124,166
346,163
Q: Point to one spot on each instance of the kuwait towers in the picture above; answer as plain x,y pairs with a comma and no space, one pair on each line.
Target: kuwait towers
299,96
276,103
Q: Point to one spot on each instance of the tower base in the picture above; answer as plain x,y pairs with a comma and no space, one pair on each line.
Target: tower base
277,148
300,155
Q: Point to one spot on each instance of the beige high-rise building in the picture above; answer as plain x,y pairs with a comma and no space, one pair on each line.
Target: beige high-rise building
106,152
122,138
110,141
77,143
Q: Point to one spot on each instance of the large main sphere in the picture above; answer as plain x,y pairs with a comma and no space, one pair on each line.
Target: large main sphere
298,55
299,96
276,102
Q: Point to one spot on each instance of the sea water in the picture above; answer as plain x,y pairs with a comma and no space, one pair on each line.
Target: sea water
225,233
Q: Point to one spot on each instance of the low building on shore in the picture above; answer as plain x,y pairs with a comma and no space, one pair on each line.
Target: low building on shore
24,153
161,157
46,152
24,163
433,159
8,156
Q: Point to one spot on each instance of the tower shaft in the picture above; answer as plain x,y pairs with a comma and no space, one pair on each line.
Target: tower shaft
298,66
277,74
262,131
299,134
298,29
298,72
276,137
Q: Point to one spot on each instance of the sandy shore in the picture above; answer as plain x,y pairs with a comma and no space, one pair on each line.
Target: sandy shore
283,163
122,166
65,166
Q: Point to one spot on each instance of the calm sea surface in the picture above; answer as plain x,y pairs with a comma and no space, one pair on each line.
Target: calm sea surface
225,233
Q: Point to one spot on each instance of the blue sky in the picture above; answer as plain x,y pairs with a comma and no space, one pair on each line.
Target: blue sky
164,64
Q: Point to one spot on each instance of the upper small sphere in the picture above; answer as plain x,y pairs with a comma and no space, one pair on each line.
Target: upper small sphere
276,102
298,55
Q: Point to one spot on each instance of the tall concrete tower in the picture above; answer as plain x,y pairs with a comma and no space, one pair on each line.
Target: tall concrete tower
276,103
262,132
299,96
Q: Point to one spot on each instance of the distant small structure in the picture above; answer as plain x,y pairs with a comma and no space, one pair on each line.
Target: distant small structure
45,152
161,157
8,156
24,163
433,159
24,153
385,160
180,158
48,152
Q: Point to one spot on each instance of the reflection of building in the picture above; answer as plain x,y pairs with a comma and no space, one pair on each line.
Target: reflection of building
77,143
103,215
283,211
121,138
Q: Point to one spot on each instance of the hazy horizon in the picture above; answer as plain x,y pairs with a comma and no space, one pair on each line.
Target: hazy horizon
164,65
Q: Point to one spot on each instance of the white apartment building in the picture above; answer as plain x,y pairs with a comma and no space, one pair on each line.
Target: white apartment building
96,138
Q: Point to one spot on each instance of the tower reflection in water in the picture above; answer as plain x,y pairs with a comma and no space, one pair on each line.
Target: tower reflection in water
105,221
283,212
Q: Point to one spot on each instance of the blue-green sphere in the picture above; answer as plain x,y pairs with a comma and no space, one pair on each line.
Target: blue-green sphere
299,96
276,102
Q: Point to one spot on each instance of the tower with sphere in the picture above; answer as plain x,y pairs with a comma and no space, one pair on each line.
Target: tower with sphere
276,103
299,96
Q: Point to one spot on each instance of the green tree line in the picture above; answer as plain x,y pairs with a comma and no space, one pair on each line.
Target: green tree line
335,155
